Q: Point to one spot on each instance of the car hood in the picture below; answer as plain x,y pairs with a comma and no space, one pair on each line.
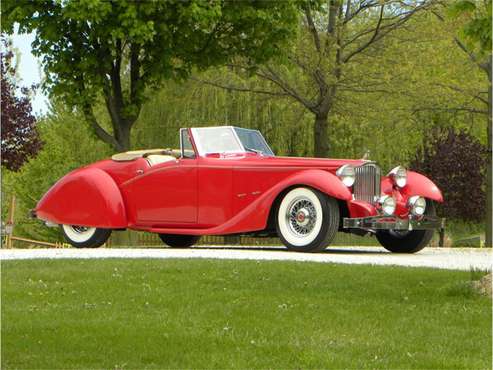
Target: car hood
326,163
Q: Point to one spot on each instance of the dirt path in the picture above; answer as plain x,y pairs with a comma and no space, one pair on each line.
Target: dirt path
443,258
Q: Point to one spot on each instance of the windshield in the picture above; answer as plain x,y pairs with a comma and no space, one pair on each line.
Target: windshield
229,139
216,140
253,141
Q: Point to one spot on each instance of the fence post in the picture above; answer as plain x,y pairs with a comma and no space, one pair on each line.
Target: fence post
9,226
442,237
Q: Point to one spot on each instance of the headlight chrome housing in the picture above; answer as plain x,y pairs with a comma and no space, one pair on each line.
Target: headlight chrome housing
347,175
399,176
417,205
387,204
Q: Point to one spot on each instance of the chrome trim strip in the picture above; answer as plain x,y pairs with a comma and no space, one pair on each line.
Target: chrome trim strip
394,223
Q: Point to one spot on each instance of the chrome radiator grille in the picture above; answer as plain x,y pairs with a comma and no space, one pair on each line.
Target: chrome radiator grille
367,183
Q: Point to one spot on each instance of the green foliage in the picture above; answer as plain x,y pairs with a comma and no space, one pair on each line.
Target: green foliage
459,229
239,314
68,145
192,104
172,37
477,29
404,89
120,49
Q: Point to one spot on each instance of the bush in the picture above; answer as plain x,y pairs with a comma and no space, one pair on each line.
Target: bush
456,162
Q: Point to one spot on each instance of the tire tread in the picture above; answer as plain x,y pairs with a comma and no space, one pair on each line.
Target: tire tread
179,241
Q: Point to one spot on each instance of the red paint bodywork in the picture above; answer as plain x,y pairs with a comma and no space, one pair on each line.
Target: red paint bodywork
87,196
215,194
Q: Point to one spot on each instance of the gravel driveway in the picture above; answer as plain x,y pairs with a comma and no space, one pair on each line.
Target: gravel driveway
443,258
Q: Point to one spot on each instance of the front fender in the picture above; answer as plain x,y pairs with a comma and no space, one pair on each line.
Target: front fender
418,184
254,217
324,181
85,197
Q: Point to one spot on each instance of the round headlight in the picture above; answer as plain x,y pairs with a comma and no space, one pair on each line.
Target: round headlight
399,176
417,205
387,203
346,174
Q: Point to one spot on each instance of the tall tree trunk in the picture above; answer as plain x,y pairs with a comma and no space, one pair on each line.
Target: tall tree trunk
122,136
321,136
488,238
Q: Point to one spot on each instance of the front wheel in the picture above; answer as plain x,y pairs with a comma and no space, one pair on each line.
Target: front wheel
179,241
307,220
85,237
398,241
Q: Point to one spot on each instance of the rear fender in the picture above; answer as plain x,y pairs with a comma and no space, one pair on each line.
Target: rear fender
85,197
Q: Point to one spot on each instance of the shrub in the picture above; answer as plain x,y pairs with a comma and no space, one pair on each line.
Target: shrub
456,162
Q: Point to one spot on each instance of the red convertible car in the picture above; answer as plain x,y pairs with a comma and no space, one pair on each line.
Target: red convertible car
226,180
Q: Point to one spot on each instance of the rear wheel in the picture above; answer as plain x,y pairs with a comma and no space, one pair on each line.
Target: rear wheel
307,220
179,241
85,237
403,241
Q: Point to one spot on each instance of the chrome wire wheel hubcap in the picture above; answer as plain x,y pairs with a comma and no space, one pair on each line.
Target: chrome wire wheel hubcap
301,216
79,229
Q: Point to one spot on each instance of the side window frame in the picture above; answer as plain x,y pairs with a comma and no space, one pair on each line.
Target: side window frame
184,131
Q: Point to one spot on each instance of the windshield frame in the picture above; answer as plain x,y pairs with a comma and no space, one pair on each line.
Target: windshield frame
182,144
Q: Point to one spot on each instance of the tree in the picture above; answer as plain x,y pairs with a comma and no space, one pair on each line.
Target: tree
117,51
20,139
335,36
474,39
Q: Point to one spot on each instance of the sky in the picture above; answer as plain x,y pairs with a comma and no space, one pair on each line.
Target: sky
29,70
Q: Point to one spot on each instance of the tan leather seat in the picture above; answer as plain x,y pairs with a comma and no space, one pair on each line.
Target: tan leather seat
154,159
132,155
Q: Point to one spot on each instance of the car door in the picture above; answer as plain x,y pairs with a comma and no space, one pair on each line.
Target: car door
165,194
214,198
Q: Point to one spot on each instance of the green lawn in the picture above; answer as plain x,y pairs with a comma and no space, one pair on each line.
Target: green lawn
239,314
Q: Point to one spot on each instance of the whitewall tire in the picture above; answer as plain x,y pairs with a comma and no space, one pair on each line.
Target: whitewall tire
85,237
307,220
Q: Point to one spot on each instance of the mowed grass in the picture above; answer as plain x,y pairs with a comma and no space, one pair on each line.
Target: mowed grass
239,314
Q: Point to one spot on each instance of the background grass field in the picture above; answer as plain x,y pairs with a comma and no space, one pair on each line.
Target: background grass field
239,314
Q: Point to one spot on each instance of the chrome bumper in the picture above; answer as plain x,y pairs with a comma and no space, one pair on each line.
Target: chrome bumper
393,223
